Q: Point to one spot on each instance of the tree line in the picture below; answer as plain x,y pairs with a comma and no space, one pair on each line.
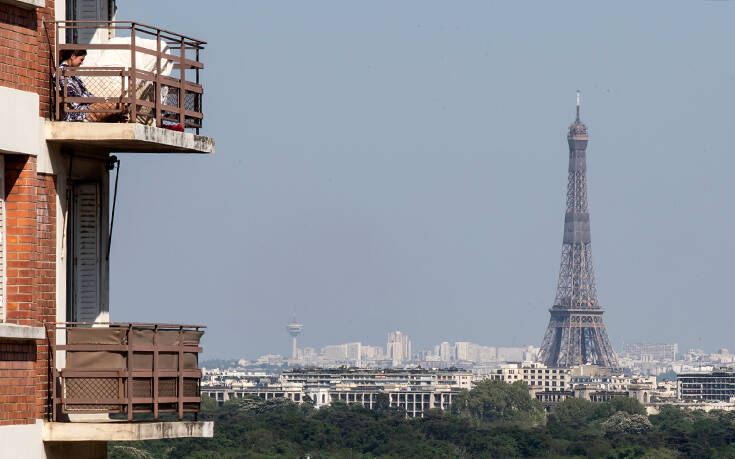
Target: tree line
494,419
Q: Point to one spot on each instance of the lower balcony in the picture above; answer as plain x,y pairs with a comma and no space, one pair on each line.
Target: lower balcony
125,381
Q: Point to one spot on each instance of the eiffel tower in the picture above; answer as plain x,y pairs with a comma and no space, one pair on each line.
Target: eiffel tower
576,334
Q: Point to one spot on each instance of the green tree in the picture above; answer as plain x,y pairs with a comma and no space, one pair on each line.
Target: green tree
625,404
495,400
572,413
622,423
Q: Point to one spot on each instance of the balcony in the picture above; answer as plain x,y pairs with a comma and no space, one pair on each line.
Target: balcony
117,377
145,88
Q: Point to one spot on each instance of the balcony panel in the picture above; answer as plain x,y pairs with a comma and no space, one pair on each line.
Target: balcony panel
125,369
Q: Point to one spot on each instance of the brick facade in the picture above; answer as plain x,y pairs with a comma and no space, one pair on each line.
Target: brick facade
26,64
18,403
26,41
31,288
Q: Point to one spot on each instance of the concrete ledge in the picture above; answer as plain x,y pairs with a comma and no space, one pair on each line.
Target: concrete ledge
13,331
125,431
125,137
26,4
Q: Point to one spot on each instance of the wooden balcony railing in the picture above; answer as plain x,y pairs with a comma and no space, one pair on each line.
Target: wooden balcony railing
135,73
129,368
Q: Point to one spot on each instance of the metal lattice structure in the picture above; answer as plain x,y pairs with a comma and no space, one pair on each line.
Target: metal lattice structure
576,334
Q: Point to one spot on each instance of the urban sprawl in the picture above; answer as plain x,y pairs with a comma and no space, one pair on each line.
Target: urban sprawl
654,374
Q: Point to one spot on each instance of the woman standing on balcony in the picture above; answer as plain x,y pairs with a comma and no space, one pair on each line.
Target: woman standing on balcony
74,85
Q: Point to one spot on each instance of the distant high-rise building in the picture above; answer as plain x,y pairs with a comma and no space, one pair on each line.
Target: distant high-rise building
294,329
446,352
517,354
465,350
348,353
372,352
399,347
354,353
576,334
650,352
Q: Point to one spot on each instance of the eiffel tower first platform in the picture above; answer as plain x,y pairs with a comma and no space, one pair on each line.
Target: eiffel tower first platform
576,334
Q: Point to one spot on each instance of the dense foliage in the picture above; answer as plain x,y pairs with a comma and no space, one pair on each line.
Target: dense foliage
493,420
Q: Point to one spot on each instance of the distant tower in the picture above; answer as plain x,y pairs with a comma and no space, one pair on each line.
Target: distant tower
294,329
576,334
399,347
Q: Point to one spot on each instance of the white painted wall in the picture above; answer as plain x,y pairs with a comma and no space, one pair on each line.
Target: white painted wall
23,130
24,441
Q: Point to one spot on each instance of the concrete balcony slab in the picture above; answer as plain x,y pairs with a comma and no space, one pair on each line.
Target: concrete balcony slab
125,137
125,431
12,331
26,4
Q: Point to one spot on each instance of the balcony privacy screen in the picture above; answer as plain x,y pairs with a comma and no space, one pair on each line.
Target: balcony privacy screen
130,369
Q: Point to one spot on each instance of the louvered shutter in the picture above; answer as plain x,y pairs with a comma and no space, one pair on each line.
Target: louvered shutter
91,10
87,250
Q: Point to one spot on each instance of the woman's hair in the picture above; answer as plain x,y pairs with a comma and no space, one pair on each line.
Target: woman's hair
68,53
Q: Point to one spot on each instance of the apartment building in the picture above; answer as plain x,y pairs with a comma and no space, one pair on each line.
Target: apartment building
61,359
414,392
536,375
715,385
373,377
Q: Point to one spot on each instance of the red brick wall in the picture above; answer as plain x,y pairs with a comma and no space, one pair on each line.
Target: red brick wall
21,236
31,287
26,62
17,382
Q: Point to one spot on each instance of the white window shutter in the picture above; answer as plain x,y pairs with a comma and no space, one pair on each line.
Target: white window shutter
87,252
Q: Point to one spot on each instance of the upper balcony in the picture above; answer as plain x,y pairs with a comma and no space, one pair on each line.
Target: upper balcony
138,89
110,377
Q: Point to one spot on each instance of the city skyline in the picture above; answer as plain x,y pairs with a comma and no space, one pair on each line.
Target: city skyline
623,347
309,344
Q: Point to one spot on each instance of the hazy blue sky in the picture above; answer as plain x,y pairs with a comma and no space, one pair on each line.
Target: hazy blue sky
390,165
